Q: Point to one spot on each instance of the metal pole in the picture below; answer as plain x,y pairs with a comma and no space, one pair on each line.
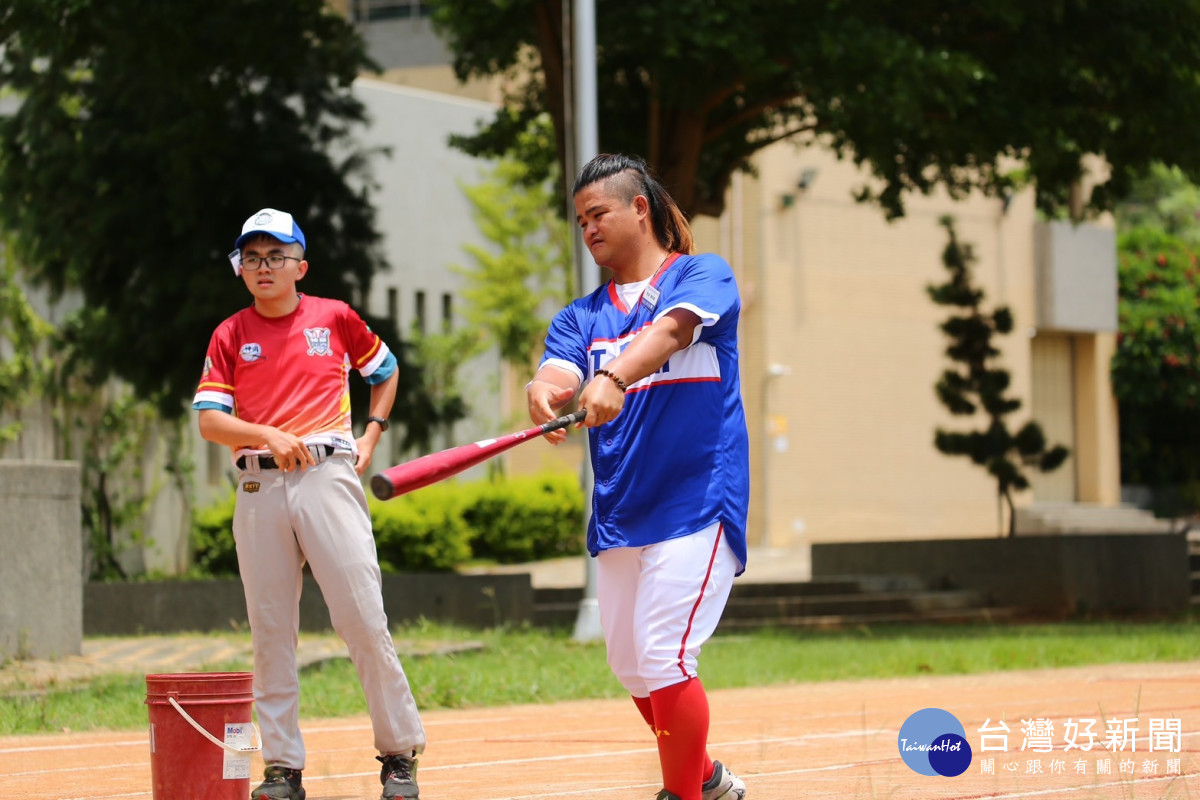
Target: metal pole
570,162
587,623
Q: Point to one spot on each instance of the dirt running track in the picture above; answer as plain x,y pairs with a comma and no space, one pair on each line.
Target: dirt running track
823,740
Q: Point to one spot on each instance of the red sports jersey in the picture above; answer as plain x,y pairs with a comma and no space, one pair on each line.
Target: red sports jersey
291,372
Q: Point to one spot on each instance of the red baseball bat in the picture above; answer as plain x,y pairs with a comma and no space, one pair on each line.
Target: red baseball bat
421,472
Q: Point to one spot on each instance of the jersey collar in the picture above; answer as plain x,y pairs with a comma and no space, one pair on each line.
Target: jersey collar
614,296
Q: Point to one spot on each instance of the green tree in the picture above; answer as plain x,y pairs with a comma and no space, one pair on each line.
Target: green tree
114,435
508,289
1156,369
976,383
511,286
23,366
1162,198
442,401
105,427
924,93
144,133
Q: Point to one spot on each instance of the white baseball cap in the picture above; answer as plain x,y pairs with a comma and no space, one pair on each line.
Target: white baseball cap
268,222
272,222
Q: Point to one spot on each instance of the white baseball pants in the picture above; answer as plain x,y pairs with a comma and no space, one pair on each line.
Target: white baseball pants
660,604
320,515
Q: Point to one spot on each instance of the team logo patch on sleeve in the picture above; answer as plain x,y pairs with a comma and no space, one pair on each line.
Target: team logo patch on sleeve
318,341
251,351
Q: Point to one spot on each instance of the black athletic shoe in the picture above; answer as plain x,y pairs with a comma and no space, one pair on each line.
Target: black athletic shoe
399,777
665,795
280,783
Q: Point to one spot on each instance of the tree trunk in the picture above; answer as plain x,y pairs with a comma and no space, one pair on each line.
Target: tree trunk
1012,514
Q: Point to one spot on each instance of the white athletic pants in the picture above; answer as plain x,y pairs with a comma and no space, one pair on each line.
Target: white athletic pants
660,604
320,515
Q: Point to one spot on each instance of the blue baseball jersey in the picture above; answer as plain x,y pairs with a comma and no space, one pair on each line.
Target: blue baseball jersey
676,459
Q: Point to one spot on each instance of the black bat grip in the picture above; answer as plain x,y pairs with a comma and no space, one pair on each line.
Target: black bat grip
562,422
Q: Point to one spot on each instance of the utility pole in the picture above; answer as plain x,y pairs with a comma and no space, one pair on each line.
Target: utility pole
586,140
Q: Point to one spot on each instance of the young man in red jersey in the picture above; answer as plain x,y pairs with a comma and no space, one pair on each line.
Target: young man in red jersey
275,391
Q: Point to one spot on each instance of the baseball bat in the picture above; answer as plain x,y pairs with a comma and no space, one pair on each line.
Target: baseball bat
421,472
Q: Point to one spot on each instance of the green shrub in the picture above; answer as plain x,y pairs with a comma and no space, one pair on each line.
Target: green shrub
525,519
437,528
423,531
211,539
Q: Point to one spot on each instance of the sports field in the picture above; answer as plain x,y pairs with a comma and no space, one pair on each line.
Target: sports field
816,740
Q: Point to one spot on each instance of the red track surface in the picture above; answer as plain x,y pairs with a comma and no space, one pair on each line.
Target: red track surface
822,740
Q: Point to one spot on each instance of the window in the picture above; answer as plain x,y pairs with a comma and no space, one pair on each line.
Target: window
447,313
420,312
393,306
375,10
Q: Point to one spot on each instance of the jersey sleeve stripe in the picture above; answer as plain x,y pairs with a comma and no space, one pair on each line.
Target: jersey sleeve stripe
706,317
372,364
223,399
566,366
654,381
363,363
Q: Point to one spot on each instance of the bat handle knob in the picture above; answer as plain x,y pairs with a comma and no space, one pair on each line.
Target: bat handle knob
382,488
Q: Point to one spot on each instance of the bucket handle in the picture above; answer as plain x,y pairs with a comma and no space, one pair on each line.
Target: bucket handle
235,750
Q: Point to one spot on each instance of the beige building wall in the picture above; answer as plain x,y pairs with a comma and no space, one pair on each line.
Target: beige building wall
841,350
1098,442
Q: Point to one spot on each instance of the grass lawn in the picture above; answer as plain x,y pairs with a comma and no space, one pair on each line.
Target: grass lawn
540,666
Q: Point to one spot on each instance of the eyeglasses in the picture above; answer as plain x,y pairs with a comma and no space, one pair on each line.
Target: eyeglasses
254,263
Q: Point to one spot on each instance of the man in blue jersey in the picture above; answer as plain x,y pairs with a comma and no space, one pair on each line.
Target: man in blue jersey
656,353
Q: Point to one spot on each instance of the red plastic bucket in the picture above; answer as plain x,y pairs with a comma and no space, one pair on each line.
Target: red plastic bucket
201,735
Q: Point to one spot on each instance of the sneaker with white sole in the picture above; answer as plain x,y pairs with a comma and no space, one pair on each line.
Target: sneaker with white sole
723,785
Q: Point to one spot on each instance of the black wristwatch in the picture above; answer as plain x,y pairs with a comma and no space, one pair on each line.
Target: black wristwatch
383,423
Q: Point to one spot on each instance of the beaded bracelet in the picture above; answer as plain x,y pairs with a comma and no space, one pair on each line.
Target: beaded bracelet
620,383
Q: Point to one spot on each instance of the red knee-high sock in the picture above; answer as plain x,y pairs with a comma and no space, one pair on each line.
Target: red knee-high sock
646,707
681,724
